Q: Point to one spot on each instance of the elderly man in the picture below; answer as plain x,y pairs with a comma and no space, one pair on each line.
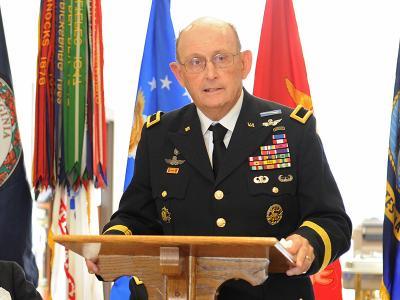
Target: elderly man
230,164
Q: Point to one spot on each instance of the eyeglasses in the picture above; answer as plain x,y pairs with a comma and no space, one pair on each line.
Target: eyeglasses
197,64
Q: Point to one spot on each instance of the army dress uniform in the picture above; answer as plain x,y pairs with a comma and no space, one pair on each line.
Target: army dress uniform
274,181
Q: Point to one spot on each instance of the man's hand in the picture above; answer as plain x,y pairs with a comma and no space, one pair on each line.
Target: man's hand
92,266
304,253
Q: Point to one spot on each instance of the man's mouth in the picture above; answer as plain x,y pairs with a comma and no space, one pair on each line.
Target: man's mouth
212,90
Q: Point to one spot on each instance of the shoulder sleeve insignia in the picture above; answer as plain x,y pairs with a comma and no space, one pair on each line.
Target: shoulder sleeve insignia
153,119
301,114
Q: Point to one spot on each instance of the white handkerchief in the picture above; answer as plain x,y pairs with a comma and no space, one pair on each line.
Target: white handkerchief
4,295
286,244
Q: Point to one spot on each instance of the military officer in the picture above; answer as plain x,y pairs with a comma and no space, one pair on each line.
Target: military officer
230,164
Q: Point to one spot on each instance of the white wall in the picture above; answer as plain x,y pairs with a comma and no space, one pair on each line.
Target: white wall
350,49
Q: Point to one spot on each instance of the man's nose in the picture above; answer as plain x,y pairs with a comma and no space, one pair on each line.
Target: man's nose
211,70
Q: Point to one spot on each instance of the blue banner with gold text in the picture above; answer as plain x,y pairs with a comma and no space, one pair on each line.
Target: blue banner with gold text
390,288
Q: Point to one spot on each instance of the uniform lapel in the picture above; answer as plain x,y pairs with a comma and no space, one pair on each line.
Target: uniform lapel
249,134
189,141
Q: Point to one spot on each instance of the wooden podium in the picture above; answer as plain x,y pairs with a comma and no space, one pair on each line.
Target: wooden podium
180,267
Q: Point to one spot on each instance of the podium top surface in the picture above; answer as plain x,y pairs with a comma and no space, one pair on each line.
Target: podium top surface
149,245
92,246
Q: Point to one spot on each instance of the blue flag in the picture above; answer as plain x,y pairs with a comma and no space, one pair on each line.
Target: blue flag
390,288
15,197
157,90
160,89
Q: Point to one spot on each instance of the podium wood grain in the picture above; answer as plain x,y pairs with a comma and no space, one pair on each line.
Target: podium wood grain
180,267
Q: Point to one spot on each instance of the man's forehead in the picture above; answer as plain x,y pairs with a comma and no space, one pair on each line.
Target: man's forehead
207,29
205,37
206,21
205,51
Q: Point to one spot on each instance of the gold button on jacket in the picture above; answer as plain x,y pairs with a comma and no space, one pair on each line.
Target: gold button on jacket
221,222
218,195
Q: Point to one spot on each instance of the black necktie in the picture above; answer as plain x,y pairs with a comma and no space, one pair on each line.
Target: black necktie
219,150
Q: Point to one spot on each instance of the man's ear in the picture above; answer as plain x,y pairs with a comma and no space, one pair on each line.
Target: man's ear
176,68
246,57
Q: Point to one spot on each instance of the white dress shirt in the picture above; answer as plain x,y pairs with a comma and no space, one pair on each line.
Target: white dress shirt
229,122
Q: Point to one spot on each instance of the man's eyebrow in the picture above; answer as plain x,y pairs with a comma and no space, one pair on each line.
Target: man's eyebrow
220,51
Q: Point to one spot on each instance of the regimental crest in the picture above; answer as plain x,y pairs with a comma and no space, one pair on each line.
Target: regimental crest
10,143
174,161
165,215
274,214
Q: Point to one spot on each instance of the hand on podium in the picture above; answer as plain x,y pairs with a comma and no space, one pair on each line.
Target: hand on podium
92,266
304,253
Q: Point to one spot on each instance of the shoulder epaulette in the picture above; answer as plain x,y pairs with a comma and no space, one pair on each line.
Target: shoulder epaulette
301,114
153,119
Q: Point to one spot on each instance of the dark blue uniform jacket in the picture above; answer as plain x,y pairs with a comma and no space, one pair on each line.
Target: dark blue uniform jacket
302,198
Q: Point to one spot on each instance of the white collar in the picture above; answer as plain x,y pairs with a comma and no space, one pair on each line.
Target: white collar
228,121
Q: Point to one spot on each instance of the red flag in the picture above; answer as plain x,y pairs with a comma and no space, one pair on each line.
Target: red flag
280,71
327,283
281,77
